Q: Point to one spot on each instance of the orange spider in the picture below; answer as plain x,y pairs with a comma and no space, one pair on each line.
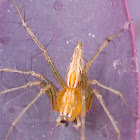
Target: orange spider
76,97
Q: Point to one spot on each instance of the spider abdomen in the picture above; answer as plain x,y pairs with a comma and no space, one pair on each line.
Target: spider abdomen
69,103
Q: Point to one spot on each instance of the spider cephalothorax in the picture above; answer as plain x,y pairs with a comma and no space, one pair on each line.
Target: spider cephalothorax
69,99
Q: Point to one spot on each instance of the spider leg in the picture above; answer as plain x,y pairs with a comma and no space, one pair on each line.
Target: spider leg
100,49
32,73
89,97
99,97
83,104
52,92
42,91
118,93
45,53
86,100
29,84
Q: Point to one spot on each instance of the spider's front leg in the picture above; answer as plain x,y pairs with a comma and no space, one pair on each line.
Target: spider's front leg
77,123
61,122
104,45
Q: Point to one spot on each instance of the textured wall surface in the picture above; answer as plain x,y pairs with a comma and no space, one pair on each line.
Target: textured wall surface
66,23
135,15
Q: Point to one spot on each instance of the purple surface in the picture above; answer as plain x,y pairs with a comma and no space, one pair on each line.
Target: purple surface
67,22
134,12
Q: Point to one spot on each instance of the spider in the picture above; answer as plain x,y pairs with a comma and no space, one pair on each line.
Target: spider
75,99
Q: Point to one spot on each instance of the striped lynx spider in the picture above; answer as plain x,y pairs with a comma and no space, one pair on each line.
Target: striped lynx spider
75,99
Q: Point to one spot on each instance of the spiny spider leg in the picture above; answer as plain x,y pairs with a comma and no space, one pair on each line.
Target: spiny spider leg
83,112
29,84
32,73
42,91
100,49
52,92
86,99
45,53
84,78
99,97
118,93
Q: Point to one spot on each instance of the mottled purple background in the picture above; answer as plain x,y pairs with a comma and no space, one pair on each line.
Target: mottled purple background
135,15
66,23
